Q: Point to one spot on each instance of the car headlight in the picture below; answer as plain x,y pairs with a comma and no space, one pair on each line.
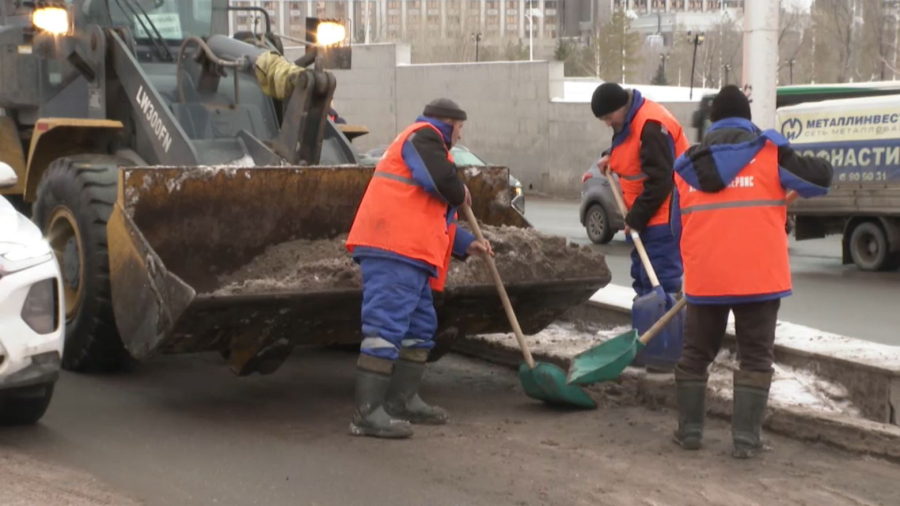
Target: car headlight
40,309
23,257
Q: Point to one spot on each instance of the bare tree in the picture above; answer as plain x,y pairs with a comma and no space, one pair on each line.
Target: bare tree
792,42
834,22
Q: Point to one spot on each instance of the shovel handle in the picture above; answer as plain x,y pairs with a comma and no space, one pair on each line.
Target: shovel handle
638,243
507,305
662,322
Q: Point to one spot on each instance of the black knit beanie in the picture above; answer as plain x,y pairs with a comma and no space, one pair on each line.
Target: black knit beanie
444,108
730,103
608,97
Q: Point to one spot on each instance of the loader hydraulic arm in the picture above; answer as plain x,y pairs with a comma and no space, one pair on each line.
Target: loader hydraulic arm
153,118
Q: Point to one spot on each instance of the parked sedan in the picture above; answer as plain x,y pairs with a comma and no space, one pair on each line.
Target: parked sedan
463,158
599,213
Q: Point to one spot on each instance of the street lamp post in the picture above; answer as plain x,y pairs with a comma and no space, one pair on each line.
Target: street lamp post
791,66
696,39
531,15
477,38
727,73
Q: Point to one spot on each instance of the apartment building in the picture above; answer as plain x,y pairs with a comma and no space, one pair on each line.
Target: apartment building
390,20
649,17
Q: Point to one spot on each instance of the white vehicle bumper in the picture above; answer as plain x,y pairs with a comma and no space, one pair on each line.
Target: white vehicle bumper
28,358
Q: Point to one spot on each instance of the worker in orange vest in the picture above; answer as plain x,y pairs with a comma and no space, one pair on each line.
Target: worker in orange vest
729,213
403,238
647,139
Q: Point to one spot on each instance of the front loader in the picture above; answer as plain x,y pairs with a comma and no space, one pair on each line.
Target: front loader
155,161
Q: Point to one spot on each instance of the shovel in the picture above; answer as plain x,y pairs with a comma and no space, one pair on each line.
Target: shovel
607,361
541,381
649,308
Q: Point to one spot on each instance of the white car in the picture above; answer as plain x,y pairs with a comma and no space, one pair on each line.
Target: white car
32,319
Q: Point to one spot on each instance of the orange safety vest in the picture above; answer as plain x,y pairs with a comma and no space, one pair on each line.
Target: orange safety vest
733,242
625,159
397,215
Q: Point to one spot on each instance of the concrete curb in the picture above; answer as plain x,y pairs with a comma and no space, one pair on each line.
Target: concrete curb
856,435
870,372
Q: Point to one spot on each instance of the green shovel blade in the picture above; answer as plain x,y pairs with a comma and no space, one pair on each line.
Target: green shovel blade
606,361
547,382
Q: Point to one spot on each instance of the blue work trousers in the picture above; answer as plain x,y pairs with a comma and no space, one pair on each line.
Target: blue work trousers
664,256
397,309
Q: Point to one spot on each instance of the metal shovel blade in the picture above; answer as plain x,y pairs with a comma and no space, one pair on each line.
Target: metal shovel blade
606,361
547,382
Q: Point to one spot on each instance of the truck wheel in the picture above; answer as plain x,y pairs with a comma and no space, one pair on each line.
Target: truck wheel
596,222
869,247
25,406
74,202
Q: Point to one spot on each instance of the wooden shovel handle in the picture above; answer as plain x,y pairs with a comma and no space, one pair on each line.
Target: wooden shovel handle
507,306
662,322
638,243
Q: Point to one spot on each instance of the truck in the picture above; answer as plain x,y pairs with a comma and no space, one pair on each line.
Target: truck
861,139
786,96
155,158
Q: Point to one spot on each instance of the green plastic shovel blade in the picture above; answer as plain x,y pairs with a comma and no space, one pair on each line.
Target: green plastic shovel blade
547,382
606,361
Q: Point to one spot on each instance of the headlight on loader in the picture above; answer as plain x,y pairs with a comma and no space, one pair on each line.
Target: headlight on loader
329,33
51,19
40,310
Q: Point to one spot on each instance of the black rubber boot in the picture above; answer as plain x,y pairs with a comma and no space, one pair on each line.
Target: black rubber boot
751,395
370,419
690,393
403,399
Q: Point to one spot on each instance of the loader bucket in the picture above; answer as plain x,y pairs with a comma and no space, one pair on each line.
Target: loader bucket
175,232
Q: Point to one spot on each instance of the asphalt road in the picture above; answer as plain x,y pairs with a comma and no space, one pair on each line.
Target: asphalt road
827,295
184,431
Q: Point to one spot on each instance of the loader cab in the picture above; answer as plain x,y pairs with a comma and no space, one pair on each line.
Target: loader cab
158,26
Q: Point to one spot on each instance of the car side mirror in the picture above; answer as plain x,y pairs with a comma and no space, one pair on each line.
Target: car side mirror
8,177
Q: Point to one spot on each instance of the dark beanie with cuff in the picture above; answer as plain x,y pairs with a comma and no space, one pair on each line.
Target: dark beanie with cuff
730,103
608,97
444,108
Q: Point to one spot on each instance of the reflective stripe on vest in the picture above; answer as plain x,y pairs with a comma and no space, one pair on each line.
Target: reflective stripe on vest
732,205
397,215
733,242
625,159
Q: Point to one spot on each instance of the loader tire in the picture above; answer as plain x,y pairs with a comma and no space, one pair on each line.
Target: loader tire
74,201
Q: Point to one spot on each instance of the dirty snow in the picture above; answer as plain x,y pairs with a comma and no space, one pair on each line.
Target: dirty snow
303,265
561,338
790,387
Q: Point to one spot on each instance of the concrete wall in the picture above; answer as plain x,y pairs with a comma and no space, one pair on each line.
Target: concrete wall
513,118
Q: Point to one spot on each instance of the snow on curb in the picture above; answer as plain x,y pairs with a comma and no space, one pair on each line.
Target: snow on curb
812,341
790,387
870,372
830,425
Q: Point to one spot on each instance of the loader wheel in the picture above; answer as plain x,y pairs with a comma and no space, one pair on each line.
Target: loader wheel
74,202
